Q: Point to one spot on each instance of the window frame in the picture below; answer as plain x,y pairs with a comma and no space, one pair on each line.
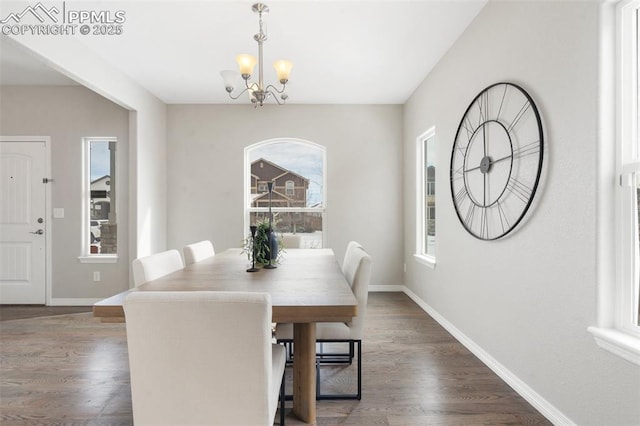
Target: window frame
289,188
86,255
247,186
617,330
422,212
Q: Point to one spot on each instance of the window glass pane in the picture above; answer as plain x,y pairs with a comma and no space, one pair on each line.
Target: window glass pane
429,196
102,178
288,161
637,251
637,82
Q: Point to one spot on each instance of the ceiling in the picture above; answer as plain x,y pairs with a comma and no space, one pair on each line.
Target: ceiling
344,52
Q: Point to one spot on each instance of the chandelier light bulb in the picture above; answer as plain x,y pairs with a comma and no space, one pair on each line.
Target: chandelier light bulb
283,69
230,77
246,63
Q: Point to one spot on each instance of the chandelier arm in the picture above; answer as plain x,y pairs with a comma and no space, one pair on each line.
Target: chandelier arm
271,86
239,94
273,95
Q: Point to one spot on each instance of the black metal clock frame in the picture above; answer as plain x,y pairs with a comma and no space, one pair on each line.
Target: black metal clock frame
499,142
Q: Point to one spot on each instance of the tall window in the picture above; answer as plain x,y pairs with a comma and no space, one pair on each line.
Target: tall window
296,170
426,198
100,229
618,329
629,170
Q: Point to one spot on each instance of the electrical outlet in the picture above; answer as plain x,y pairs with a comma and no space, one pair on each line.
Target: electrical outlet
96,276
404,267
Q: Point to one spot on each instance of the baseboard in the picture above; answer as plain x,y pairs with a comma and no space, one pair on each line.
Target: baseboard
386,288
547,409
72,302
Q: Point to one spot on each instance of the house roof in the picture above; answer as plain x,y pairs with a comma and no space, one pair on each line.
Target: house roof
284,170
99,179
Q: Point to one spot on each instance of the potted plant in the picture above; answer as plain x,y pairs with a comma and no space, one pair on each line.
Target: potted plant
263,244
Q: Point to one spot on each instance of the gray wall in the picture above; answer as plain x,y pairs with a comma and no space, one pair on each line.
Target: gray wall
67,114
364,166
527,299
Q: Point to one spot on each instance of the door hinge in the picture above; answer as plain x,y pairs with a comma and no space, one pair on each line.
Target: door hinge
47,180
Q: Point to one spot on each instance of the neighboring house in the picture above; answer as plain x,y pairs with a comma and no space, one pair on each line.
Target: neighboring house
289,188
101,198
431,201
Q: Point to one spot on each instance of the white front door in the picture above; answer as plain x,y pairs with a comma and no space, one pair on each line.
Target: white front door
23,222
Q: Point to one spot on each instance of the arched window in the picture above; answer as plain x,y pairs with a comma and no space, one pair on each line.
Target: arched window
295,169
289,188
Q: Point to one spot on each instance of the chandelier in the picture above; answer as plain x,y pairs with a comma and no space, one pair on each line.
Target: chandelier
257,91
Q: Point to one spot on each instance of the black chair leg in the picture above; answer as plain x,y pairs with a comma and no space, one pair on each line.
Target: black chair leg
319,360
359,369
358,395
282,399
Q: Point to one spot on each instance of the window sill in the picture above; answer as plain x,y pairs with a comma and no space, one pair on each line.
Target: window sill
97,258
618,343
429,261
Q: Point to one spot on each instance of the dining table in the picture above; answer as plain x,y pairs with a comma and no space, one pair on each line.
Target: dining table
307,287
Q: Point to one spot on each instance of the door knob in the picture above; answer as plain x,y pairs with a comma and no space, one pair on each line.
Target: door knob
38,232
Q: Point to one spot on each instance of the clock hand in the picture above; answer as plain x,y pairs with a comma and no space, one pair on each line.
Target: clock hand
501,159
490,163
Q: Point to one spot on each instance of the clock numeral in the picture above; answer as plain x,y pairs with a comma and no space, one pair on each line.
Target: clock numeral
528,149
504,94
468,127
470,214
519,189
457,173
518,116
483,106
460,195
484,225
461,149
504,221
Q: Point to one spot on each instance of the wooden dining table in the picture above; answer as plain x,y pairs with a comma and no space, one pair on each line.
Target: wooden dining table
307,287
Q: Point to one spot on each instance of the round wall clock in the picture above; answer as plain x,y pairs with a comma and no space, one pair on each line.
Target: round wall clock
496,161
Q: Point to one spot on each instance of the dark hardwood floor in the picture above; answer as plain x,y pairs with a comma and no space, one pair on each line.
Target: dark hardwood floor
72,369
12,312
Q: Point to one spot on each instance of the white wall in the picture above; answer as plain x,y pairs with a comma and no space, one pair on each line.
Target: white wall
526,300
364,166
67,114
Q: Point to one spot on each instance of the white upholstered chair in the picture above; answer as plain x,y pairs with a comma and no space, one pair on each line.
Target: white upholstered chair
155,266
291,241
203,357
349,254
357,271
198,251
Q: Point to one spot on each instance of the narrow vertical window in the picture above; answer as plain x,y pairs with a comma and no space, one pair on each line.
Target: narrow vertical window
618,329
100,227
426,198
629,171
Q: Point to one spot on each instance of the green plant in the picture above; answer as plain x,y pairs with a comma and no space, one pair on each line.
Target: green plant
261,241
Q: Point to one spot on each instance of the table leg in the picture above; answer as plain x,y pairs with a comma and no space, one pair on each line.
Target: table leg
304,371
